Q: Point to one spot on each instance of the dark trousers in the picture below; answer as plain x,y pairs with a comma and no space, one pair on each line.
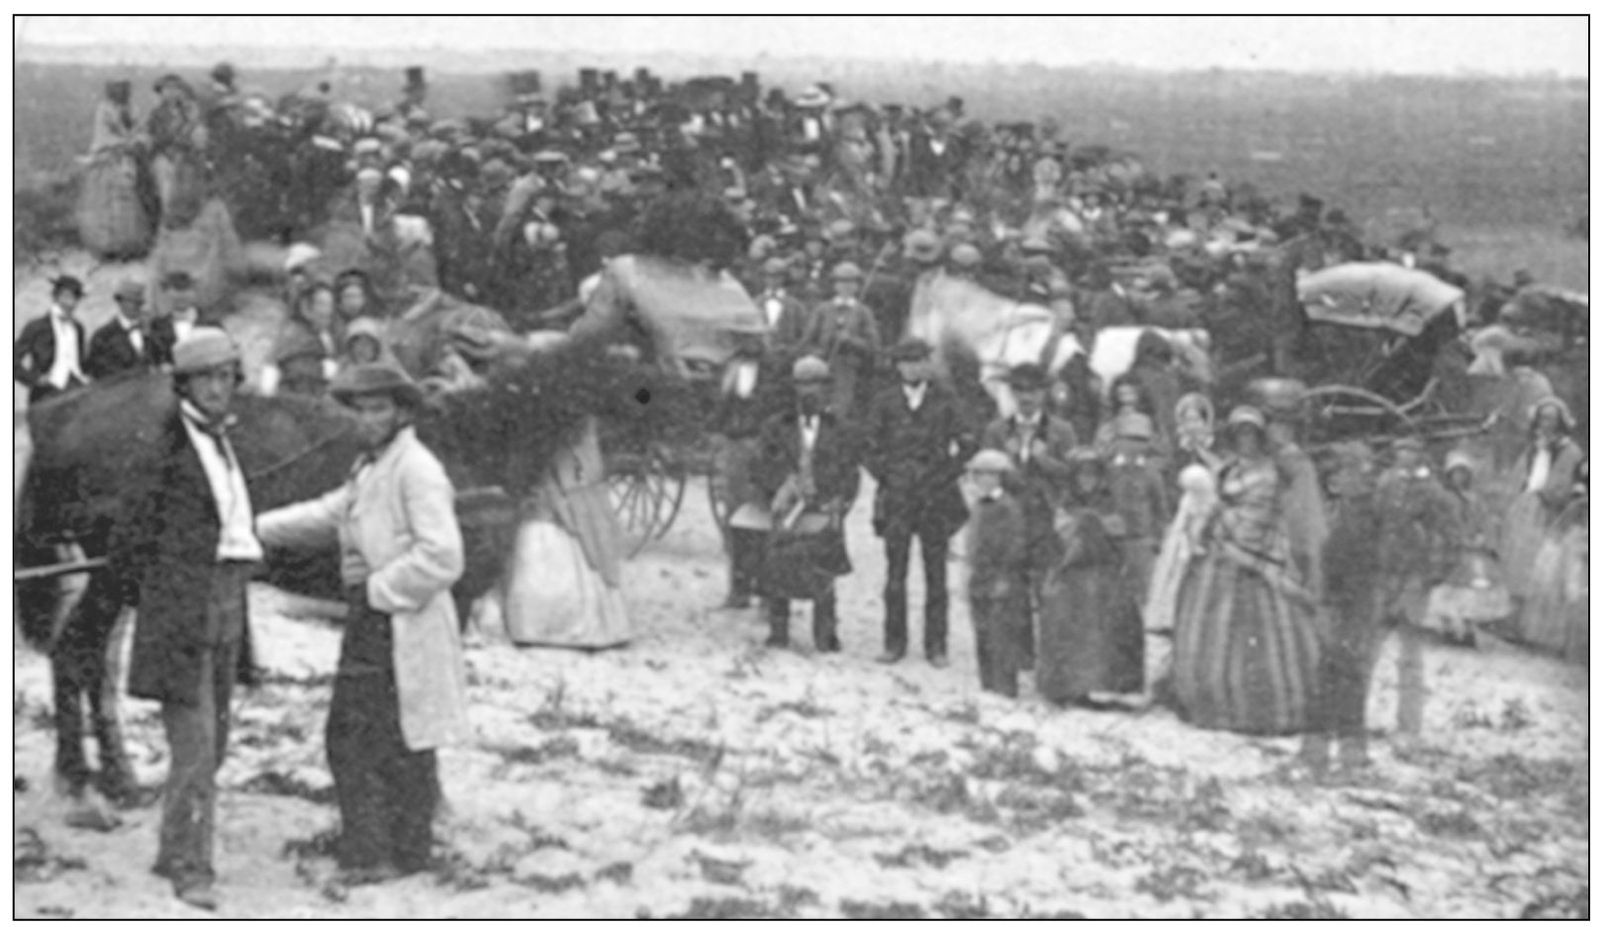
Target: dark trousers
823,613
386,792
198,736
896,538
998,623
747,559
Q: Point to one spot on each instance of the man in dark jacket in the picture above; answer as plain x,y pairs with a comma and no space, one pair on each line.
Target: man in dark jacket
186,548
917,445
47,357
123,343
808,466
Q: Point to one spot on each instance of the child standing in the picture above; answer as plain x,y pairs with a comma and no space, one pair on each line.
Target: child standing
997,553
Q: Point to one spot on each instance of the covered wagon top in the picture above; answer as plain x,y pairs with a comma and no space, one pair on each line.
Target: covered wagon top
1377,295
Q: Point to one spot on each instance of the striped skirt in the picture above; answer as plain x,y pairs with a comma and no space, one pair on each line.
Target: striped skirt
1245,647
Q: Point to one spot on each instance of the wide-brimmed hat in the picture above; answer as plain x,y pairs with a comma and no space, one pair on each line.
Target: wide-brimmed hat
204,348
813,97
811,369
910,348
376,380
1564,415
1027,377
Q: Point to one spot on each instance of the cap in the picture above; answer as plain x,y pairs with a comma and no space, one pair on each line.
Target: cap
203,349
847,270
1028,377
989,460
1459,460
840,228
775,267
910,348
1408,443
811,369
1276,395
373,380
368,146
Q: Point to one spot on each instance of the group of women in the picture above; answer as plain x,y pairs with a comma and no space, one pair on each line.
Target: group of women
1245,606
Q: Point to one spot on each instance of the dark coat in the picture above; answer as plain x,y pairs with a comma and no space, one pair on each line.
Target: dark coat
165,548
35,352
917,459
997,549
1042,481
835,461
787,336
111,352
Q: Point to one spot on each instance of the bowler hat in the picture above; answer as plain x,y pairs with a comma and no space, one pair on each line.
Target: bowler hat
847,270
1028,377
989,460
178,280
811,369
910,348
67,282
204,348
373,380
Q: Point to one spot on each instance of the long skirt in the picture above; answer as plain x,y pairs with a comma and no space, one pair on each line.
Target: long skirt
554,595
1167,576
1245,649
1523,529
1552,615
111,219
1091,637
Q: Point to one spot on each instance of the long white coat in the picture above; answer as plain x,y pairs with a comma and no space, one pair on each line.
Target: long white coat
395,524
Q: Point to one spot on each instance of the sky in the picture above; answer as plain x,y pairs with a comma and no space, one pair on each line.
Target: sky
1349,44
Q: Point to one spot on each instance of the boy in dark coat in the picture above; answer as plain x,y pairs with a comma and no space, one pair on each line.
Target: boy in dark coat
997,552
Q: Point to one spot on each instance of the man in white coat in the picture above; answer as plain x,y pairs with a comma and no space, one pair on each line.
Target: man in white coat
400,684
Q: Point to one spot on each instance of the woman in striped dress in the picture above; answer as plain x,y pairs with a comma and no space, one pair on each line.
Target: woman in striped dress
1246,643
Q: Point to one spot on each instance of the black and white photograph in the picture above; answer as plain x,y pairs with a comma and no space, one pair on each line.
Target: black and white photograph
801,467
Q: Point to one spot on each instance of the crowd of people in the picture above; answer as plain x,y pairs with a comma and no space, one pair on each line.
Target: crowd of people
1097,512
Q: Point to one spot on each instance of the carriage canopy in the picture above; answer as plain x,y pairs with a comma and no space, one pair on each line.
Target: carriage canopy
1378,296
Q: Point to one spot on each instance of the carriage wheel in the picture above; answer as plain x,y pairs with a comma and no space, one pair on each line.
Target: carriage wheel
1340,413
646,489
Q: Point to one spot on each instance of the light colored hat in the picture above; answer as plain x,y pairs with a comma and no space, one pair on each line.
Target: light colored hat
299,255
129,288
1459,460
847,270
964,255
204,349
989,460
1247,415
811,369
776,266
368,146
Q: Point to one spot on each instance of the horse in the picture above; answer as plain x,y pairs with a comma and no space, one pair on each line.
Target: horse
973,328
75,489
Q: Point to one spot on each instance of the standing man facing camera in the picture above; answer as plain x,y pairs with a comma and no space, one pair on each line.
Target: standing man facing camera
186,548
400,684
